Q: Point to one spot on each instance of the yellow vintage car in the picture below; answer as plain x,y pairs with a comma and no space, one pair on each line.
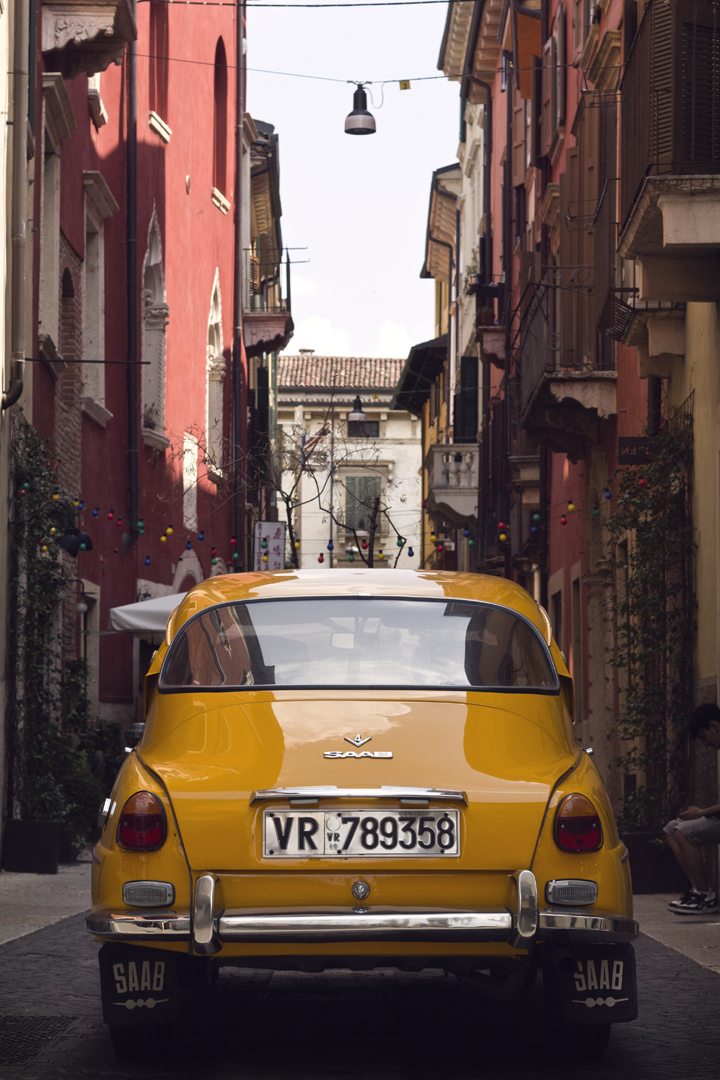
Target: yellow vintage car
359,769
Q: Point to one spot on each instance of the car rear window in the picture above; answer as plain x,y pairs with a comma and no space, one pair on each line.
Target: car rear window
356,642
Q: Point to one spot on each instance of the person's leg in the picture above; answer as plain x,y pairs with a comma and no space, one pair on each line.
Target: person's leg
690,858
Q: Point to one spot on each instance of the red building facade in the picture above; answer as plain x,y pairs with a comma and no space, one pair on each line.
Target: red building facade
159,446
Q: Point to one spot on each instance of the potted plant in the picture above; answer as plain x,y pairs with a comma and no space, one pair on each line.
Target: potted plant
472,280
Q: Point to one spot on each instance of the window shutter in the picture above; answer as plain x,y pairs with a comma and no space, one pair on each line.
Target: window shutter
560,62
547,125
518,139
700,63
535,139
263,400
466,401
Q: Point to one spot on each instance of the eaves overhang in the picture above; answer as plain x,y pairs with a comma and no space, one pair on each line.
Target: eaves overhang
422,367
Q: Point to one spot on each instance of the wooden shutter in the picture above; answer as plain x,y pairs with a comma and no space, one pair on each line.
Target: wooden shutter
560,68
547,119
661,78
699,46
535,139
518,138
466,401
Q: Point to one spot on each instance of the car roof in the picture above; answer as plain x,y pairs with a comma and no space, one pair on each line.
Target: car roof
377,582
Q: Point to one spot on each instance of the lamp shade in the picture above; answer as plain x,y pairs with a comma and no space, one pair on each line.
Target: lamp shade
357,413
69,542
360,121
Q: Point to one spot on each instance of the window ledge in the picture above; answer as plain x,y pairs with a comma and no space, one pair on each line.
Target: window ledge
219,200
155,439
95,411
158,125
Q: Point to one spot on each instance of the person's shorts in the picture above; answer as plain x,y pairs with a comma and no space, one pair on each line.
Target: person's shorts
703,830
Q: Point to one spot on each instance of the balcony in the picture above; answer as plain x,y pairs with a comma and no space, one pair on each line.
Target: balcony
568,374
453,482
85,35
267,322
670,152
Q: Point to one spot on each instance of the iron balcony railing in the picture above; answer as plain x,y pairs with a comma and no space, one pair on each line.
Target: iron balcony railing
267,281
555,327
671,95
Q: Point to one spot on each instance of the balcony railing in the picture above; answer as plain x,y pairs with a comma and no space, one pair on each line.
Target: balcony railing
267,281
671,95
267,322
453,481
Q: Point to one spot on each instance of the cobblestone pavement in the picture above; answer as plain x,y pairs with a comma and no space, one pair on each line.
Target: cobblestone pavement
381,1025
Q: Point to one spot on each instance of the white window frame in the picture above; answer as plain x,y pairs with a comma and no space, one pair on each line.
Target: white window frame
155,317
215,402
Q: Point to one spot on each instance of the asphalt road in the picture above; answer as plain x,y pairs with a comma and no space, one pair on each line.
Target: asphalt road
381,1025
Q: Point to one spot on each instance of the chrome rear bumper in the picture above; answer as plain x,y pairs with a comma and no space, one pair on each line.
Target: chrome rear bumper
209,929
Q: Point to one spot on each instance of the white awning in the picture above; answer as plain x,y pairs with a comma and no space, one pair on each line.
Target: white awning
146,617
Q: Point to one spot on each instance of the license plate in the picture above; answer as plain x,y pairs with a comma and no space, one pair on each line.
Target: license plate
323,834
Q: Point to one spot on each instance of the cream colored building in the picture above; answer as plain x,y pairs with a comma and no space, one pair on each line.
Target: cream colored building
349,463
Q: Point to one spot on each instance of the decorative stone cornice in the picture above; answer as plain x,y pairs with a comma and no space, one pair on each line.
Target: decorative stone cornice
99,193
86,35
57,103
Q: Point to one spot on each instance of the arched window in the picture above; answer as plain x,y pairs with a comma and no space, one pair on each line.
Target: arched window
215,377
155,314
220,120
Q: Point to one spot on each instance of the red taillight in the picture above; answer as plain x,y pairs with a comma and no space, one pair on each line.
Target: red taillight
142,823
577,825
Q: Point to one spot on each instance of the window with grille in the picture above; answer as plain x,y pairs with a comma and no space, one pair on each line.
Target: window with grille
368,429
360,495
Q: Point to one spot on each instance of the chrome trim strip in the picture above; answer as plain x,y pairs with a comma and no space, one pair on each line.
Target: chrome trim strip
204,929
329,791
126,925
624,858
364,924
525,922
586,926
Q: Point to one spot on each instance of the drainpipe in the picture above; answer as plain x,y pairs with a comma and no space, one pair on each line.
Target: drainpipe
132,292
19,195
238,288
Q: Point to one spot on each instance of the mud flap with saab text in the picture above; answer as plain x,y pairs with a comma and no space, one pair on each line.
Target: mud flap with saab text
590,984
138,985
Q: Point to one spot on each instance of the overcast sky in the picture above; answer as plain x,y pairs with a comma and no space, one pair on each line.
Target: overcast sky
359,203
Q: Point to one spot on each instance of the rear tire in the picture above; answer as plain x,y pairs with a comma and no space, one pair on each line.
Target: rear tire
578,1042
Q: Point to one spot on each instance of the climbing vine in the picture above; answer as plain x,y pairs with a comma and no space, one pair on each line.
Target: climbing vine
52,738
652,545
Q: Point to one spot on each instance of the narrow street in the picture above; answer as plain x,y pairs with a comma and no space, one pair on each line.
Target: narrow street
382,1025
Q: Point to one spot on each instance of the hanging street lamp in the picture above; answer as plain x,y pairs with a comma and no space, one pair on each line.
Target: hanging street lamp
360,121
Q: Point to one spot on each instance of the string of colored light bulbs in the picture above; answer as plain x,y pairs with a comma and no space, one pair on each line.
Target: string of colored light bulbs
86,544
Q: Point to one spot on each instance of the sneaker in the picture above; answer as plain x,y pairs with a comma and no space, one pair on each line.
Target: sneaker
687,895
698,904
